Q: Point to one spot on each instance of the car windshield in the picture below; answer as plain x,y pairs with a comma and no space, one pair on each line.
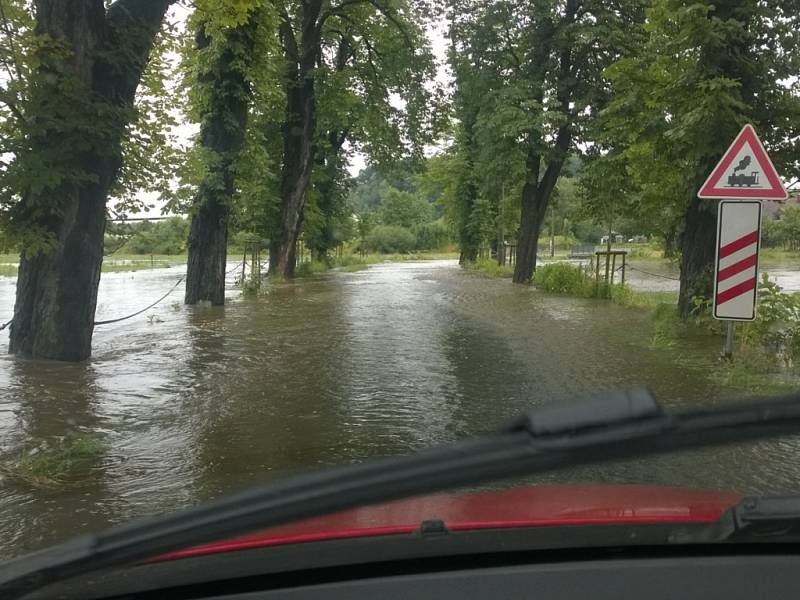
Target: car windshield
245,239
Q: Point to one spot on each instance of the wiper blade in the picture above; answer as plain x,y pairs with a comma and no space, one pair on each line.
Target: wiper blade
754,519
614,426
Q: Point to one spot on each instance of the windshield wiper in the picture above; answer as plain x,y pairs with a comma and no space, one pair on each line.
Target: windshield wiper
613,426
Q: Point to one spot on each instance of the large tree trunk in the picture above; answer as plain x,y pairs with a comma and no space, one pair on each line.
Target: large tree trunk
208,249
698,244
298,149
57,289
532,218
222,136
298,136
536,195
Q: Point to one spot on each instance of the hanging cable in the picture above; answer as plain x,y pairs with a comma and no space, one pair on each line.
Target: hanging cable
172,289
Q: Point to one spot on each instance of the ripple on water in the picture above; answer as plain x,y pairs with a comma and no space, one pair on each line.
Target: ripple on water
198,402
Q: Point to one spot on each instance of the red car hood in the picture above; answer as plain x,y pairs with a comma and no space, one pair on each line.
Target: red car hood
535,506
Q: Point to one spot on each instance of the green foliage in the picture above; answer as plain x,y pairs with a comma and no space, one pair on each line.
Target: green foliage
388,239
490,267
775,331
625,296
162,237
56,125
529,78
783,232
150,148
404,209
777,325
431,236
564,278
64,459
678,98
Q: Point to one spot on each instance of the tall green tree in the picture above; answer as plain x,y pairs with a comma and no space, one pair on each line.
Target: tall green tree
71,97
704,70
222,93
364,50
541,67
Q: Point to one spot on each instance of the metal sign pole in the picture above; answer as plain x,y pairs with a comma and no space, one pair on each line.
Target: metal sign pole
727,351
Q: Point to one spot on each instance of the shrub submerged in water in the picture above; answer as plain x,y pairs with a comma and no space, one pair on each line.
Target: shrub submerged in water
563,278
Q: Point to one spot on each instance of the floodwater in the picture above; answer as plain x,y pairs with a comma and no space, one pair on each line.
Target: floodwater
659,277
193,403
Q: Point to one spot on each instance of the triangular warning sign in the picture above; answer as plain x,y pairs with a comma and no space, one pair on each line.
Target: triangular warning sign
745,171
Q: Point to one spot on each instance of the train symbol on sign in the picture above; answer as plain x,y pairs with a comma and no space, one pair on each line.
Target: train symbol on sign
742,180
743,172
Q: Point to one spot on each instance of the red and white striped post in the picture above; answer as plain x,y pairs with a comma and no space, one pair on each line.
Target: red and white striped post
736,272
743,177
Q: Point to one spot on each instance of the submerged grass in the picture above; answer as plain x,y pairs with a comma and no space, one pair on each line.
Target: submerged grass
56,464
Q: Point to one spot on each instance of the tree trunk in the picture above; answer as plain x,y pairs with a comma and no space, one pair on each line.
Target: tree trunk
670,238
698,253
536,196
57,289
208,250
298,136
534,207
222,136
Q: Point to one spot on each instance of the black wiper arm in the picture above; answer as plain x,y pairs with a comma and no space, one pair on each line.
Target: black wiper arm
615,426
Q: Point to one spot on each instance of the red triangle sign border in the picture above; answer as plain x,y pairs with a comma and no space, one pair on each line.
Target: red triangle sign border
776,190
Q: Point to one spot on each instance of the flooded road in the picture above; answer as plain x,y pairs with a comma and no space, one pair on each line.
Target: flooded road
655,276
192,403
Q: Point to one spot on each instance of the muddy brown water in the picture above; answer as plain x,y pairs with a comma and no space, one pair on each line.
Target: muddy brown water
194,403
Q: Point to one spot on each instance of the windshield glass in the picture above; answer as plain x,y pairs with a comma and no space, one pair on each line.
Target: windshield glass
241,240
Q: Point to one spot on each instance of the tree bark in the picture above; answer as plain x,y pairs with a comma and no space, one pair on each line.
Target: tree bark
698,253
670,237
222,136
534,206
298,135
57,290
535,199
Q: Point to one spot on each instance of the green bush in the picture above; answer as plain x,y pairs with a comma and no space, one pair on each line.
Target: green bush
490,267
404,209
563,278
431,236
388,239
164,237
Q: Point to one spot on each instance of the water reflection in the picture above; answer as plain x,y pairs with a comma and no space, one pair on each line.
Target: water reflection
197,402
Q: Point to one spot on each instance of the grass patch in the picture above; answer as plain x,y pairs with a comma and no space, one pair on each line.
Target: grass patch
489,266
411,256
56,464
774,257
629,298
8,270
